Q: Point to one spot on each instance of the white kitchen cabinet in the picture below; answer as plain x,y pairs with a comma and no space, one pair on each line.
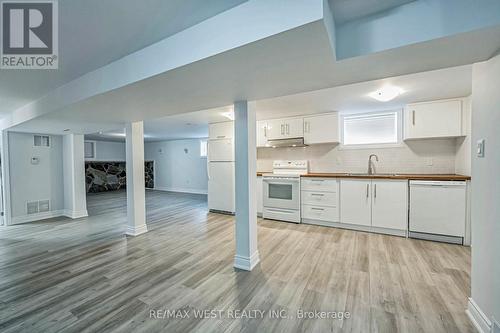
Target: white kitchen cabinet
319,200
437,119
221,150
321,129
262,134
355,201
260,201
223,130
285,128
389,204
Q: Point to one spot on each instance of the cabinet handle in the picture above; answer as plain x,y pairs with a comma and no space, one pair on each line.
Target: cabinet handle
375,190
287,129
317,180
317,208
413,117
317,194
281,129
265,131
221,136
367,190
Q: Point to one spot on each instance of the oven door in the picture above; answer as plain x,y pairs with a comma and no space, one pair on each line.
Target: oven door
281,192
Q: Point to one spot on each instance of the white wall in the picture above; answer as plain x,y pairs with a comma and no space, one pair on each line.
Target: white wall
486,188
413,157
110,151
30,182
176,169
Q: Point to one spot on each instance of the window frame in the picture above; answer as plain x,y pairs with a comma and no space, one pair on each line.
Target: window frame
399,130
94,144
204,142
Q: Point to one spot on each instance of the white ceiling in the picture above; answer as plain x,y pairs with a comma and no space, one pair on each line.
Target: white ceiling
93,33
432,85
347,10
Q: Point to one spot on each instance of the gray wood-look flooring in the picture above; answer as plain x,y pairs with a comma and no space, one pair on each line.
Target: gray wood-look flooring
86,276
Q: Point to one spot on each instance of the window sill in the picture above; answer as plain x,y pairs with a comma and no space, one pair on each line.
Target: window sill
372,146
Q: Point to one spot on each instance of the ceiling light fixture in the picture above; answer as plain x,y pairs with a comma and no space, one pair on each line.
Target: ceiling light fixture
386,93
229,115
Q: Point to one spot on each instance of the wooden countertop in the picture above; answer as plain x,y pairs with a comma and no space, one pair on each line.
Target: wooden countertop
385,176
391,176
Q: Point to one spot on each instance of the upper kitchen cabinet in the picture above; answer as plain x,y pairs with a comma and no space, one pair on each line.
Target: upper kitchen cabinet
223,130
285,128
262,133
321,129
437,119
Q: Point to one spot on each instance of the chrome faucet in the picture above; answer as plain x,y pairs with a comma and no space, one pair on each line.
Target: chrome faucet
371,166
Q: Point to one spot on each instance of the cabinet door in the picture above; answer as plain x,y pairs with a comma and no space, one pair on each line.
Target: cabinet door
390,204
294,128
275,129
433,119
262,134
321,129
221,150
355,202
221,130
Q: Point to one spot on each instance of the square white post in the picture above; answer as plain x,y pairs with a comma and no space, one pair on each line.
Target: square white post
247,253
136,188
75,194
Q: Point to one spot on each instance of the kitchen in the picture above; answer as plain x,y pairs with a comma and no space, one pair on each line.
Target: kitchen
396,171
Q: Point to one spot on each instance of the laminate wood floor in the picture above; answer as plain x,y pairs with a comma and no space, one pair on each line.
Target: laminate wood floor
84,275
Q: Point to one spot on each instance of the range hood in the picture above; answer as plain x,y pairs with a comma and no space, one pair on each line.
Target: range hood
294,142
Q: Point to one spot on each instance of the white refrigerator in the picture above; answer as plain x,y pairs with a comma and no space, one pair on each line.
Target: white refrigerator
221,175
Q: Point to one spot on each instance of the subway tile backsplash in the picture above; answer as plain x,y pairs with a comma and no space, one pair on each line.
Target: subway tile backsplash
423,156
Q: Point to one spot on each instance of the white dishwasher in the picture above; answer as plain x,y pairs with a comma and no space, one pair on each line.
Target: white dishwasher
438,210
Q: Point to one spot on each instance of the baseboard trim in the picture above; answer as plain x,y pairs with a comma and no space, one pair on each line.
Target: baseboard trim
37,217
377,230
180,190
246,263
477,317
136,230
73,214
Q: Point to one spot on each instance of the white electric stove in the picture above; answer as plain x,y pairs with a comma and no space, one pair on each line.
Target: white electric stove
281,190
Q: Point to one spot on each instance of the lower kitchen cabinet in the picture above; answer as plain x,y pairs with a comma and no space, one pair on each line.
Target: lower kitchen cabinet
355,201
320,200
375,205
390,204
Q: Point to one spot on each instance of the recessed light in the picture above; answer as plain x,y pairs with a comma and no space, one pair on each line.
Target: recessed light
66,130
386,93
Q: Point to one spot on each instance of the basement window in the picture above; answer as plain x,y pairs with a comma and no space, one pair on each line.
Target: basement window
41,141
203,148
89,148
376,129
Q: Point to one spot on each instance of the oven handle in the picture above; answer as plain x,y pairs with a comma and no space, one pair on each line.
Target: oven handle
280,181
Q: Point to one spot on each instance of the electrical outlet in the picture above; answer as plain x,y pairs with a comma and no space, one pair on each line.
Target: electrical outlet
480,148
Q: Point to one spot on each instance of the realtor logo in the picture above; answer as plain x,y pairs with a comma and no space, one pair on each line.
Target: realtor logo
29,35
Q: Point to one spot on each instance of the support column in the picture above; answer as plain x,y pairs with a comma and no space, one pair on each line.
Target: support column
136,189
75,194
247,253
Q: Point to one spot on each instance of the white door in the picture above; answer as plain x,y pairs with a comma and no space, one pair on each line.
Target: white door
433,119
321,129
223,130
260,204
221,150
390,204
221,186
262,133
355,202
